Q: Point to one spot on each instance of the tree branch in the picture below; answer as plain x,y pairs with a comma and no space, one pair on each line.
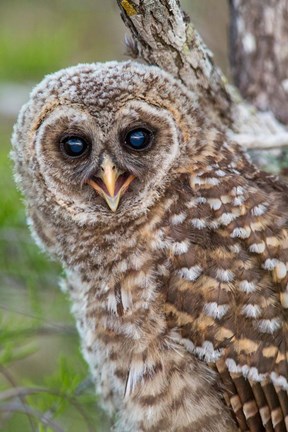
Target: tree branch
163,36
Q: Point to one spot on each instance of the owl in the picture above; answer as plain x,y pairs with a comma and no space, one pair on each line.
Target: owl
175,249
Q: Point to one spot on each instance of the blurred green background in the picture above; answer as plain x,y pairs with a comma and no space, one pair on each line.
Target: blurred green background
39,347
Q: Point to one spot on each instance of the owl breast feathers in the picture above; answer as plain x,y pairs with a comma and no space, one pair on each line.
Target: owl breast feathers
175,248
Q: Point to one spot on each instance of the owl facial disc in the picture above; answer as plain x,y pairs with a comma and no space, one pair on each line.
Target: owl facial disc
110,182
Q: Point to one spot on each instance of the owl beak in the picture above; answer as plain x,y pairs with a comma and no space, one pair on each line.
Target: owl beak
110,182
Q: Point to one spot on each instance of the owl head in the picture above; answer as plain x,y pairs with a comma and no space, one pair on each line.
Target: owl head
97,145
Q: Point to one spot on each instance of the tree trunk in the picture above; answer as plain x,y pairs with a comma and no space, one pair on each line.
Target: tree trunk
259,53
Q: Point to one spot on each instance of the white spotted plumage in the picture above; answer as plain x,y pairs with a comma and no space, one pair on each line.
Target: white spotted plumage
176,257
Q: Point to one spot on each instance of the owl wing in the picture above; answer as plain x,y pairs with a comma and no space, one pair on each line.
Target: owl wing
227,295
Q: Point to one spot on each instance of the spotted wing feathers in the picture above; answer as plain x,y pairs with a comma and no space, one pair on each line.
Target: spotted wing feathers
228,295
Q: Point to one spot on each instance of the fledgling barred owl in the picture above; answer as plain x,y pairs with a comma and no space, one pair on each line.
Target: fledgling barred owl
174,245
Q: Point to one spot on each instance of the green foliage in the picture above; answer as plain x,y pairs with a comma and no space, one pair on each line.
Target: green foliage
62,393
10,349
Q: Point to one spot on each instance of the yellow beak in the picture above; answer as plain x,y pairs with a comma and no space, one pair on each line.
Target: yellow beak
111,183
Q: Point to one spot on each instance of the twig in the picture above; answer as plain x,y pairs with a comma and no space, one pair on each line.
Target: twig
21,397
26,409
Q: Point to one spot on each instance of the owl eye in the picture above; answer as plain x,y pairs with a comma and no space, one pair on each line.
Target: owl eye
138,139
74,146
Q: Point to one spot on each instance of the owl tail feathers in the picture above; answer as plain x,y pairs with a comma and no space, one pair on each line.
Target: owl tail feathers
258,401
